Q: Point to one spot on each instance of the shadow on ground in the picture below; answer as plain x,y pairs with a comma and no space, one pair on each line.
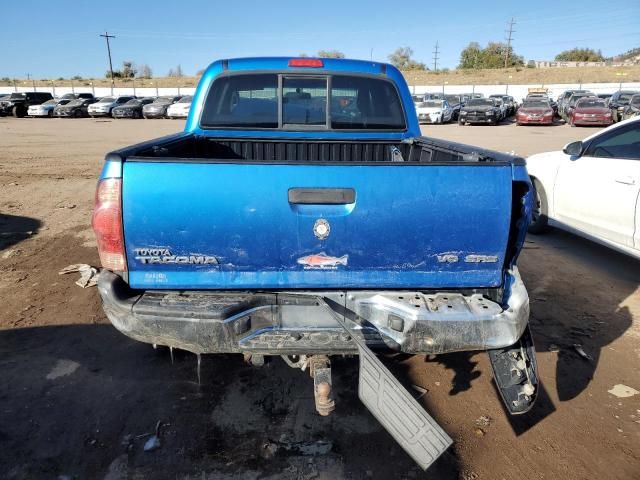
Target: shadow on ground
78,400
14,229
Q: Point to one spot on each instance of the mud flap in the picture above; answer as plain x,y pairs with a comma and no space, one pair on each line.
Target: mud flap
516,374
393,406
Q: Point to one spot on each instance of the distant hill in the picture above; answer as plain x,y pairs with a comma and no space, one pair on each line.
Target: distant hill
633,55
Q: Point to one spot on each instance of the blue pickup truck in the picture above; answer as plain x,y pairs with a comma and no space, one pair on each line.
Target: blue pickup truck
302,214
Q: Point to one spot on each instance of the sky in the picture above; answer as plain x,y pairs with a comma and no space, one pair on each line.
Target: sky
50,39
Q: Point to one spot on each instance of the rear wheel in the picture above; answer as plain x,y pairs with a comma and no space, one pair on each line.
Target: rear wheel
77,113
18,112
539,217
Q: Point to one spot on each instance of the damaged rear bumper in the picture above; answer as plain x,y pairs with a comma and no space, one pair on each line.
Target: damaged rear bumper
299,322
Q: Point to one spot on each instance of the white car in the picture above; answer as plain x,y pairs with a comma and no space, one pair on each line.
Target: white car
104,106
434,111
180,109
592,188
45,109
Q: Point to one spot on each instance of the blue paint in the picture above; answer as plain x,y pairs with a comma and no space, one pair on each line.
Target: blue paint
403,218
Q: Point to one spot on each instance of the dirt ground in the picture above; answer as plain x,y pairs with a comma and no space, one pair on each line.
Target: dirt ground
77,398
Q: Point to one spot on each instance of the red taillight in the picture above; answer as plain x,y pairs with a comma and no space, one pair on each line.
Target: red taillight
107,224
306,62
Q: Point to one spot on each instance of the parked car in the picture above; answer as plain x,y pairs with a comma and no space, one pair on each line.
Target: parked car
45,109
564,97
633,108
534,111
77,108
590,111
105,105
618,101
479,110
242,234
455,102
434,111
502,108
591,188
131,109
605,96
511,103
75,96
180,109
18,103
570,104
508,104
158,108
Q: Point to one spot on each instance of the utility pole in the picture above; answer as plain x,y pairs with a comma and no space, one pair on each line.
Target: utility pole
436,57
33,82
107,37
510,33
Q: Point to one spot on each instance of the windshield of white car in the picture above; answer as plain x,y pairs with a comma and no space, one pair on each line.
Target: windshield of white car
107,100
163,100
591,103
431,104
186,99
480,102
50,102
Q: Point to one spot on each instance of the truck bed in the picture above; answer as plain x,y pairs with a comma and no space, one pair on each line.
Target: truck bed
184,147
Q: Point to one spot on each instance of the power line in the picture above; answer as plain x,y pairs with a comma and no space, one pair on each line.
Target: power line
107,37
509,39
436,57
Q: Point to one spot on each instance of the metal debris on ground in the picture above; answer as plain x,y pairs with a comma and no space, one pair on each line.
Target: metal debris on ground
421,391
88,274
483,421
153,443
578,348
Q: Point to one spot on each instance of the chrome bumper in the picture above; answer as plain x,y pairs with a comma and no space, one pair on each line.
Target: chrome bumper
293,322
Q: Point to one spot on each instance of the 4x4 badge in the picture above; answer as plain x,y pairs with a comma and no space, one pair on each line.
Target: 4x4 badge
321,229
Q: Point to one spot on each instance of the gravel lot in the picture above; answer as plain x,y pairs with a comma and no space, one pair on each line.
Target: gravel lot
77,397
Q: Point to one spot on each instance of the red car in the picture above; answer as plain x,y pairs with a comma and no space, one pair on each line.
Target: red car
535,112
590,111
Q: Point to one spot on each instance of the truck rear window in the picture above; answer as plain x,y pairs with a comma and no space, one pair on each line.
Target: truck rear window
310,102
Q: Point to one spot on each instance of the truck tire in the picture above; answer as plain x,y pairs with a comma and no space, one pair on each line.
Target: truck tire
539,218
17,111
77,113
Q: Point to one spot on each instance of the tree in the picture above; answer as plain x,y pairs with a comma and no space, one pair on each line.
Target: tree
128,69
580,55
175,72
470,56
492,56
144,71
401,59
330,54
